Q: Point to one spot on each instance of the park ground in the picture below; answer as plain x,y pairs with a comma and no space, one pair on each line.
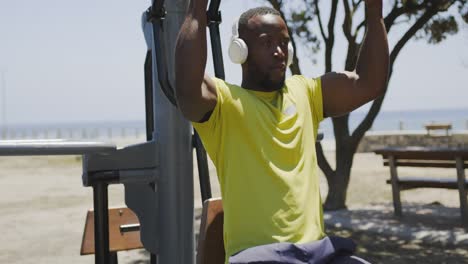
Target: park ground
43,207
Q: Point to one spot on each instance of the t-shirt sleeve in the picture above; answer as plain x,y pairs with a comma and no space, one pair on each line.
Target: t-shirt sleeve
210,131
316,99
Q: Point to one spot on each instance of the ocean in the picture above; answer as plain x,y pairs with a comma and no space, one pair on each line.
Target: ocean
410,120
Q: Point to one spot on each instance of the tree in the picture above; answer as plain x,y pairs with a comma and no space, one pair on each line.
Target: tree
429,19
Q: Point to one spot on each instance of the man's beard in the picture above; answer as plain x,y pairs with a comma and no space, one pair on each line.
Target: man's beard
272,85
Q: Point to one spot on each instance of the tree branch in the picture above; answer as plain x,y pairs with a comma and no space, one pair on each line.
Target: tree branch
319,18
411,32
322,160
331,37
348,22
356,5
331,22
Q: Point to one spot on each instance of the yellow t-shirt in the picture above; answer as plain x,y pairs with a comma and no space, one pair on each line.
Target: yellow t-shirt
263,147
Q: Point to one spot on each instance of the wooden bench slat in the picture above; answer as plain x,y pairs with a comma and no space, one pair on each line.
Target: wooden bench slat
420,182
423,153
438,126
210,241
117,241
425,164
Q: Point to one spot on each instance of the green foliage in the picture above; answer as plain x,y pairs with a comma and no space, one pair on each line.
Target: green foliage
300,23
304,23
439,28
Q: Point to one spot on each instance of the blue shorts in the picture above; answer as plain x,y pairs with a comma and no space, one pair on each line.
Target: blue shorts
336,250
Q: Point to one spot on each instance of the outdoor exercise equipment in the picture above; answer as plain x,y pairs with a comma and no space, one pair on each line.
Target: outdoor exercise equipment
161,193
157,174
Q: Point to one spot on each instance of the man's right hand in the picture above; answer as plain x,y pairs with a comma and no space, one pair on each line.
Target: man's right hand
195,92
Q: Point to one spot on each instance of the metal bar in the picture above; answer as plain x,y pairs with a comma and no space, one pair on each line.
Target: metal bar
144,175
101,224
129,228
217,51
149,97
114,258
213,8
157,15
214,19
52,147
203,172
153,259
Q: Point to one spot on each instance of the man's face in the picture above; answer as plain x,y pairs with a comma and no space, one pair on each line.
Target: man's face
267,38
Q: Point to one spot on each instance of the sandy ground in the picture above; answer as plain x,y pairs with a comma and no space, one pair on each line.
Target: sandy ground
43,204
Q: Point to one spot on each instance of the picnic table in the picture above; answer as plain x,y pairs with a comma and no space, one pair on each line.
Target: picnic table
438,126
428,157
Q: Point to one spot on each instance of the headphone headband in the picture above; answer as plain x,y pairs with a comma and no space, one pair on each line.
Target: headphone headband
238,50
235,29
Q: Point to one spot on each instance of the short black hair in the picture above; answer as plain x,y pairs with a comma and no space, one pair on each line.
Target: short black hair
256,11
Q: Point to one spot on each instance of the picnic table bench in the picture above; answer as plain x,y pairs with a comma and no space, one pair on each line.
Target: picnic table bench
439,126
457,158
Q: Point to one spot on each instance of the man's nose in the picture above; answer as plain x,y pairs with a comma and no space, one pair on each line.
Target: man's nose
279,52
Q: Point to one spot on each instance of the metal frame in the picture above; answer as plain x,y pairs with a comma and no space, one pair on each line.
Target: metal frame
67,147
103,164
214,19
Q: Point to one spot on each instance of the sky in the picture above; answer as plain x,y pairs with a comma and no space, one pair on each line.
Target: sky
70,61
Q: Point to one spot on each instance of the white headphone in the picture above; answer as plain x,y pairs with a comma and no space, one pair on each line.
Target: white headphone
238,50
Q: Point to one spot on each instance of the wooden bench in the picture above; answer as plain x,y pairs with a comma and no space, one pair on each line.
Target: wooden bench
395,157
119,219
210,249
435,127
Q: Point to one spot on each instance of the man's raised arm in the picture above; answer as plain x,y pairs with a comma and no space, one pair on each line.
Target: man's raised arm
195,92
344,92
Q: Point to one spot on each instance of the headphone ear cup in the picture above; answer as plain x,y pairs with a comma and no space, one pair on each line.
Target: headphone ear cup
290,53
238,51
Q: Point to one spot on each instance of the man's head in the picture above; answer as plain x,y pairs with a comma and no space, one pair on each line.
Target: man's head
267,39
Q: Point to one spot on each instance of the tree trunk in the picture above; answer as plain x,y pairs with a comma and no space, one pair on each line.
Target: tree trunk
338,180
338,185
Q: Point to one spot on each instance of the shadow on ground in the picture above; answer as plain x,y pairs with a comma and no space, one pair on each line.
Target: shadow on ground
429,233
425,234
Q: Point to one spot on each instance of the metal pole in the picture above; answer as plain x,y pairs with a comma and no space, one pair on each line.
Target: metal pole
101,223
203,171
173,132
4,120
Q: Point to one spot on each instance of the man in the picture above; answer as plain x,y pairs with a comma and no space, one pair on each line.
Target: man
261,135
